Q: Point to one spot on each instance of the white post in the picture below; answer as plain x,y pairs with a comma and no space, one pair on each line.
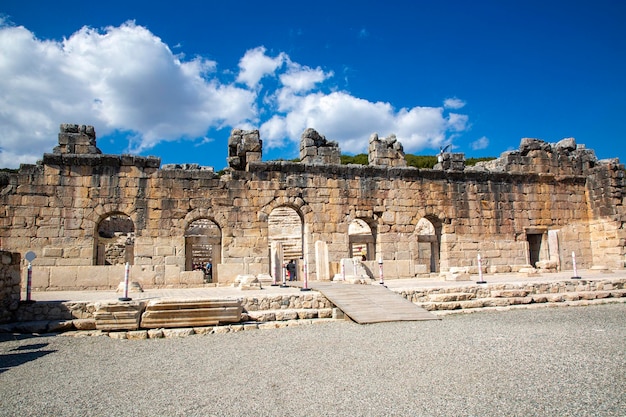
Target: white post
305,286
343,271
126,279
480,271
284,284
576,276
29,281
380,270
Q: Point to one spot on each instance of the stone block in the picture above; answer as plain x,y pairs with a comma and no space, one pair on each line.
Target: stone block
63,276
191,278
146,250
40,277
164,251
52,252
118,315
93,276
189,313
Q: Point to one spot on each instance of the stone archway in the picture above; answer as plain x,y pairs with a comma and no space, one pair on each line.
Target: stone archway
115,240
203,246
285,237
428,231
362,243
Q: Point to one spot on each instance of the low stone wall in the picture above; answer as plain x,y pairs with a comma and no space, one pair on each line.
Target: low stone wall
509,294
291,310
9,284
62,316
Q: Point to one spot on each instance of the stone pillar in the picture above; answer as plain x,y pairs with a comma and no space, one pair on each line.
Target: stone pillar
315,149
276,260
321,261
553,248
386,152
75,139
244,146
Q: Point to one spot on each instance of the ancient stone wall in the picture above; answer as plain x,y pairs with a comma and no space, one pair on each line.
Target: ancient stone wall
540,203
9,284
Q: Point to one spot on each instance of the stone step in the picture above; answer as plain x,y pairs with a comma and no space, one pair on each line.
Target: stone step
190,313
117,315
454,296
516,297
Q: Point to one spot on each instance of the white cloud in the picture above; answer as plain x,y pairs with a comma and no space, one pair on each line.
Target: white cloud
300,78
255,65
118,79
481,143
125,79
453,103
350,121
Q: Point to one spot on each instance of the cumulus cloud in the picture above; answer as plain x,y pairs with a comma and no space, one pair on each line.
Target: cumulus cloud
118,79
351,120
126,80
481,143
255,65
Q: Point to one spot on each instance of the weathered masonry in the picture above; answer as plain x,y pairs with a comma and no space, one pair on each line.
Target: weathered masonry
86,214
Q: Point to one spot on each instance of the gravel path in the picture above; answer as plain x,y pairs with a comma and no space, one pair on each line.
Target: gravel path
548,362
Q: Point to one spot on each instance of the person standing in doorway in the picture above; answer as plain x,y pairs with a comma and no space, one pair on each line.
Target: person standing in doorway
291,269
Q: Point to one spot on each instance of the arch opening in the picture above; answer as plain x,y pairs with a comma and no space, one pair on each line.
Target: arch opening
203,248
285,237
428,231
362,243
115,240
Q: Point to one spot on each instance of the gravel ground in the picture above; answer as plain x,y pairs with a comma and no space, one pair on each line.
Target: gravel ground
567,361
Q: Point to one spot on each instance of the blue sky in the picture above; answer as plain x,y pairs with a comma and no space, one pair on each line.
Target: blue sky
171,79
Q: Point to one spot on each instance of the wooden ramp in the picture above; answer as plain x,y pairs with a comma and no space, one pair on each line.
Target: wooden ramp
371,303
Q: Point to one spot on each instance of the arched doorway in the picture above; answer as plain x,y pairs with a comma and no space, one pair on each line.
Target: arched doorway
361,240
203,248
115,241
428,231
285,237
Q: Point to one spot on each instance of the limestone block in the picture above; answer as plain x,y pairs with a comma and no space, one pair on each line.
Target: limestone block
52,252
118,315
228,272
93,276
247,282
189,312
191,277
171,274
164,251
453,296
509,293
499,269
421,269
40,277
63,277
84,324
146,250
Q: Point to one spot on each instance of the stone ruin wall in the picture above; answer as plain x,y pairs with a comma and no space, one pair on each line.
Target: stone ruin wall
54,208
9,284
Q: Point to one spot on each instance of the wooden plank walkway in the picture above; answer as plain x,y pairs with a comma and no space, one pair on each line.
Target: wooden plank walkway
371,303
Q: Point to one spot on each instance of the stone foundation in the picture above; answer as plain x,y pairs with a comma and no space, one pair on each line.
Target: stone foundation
9,285
267,312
